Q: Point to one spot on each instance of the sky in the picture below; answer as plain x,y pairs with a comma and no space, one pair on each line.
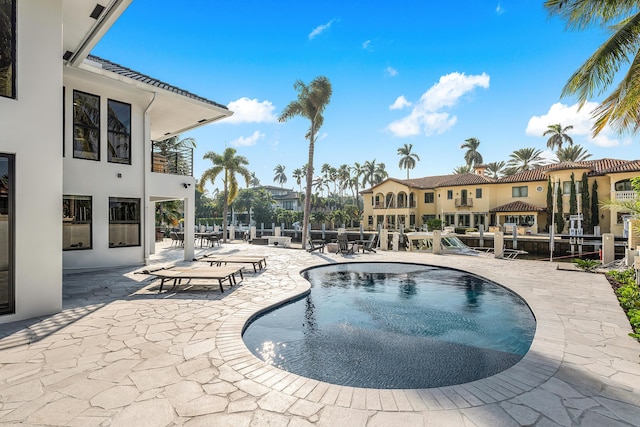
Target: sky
431,74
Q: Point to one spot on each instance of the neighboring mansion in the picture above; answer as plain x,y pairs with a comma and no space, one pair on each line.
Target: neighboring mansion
81,167
468,200
286,199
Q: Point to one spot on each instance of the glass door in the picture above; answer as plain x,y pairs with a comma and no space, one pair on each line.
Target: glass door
6,233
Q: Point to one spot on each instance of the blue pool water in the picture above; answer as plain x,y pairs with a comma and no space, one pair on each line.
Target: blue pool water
394,325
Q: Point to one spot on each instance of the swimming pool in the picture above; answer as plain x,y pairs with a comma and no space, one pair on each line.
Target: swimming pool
394,325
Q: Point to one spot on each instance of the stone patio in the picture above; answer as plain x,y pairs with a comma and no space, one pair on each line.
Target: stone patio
121,354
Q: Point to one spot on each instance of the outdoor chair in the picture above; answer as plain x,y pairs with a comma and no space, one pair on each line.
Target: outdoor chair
369,245
315,244
344,246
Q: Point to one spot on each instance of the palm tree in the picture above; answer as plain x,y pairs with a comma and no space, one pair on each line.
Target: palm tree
459,170
472,156
310,104
407,158
280,176
298,174
358,171
557,136
373,173
622,18
254,180
230,164
524,159
343,176
494,169
572,153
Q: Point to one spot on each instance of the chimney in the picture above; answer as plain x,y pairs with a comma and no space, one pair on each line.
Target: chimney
479,169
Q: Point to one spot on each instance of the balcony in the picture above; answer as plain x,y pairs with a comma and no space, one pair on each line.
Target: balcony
176,161
626,195
463,203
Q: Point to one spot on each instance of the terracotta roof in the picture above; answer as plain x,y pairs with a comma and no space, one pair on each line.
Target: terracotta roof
127,72
630,166
518,206
525,176
466,179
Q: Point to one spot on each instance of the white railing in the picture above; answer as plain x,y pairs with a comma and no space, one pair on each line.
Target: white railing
626,195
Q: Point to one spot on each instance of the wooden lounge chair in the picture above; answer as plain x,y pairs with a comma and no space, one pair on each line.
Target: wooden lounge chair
178,274
258,262
344,246
315,245
370,244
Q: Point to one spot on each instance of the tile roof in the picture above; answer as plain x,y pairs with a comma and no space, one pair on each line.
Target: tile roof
630,166
127,72
517,206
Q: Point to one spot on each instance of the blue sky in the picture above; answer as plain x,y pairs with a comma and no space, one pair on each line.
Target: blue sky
431,74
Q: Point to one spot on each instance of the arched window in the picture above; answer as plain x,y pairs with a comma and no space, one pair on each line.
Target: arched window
624,185
389,201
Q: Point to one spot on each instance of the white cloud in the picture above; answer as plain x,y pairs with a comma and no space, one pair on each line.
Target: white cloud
367,45
319,29
580,120
247,110
426,116
400,103
248,141
391,71
499,9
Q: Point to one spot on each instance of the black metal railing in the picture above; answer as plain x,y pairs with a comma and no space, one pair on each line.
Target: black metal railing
464,202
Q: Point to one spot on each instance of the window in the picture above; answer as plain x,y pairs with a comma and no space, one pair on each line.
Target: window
86,126
76,223
520,191
370,221
7,242
624,185
449,219
8,48
119,136
566,187
124,222
478,193
449,194
428,197
288,205
412,220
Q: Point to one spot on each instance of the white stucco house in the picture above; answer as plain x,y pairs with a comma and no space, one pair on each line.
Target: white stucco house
79,170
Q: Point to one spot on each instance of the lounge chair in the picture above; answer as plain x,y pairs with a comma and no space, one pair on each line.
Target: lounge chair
315,245
178,274
370,244
344,246
258,262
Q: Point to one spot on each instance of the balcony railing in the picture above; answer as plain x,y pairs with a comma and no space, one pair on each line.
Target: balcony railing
460,203
626,195
177,161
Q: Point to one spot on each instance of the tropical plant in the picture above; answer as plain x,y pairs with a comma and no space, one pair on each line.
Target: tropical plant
632,206
573,196
244,202
494,169
343,176
280,177
407,158
229,165
169,213
263,207
311,102
622,18
358,171
472,157
254,182
557,136
298,174
374,173
588,265
460,170
572,153
525,159
595,211
585,201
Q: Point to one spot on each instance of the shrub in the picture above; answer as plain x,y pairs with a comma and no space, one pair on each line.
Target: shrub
628,294
588,265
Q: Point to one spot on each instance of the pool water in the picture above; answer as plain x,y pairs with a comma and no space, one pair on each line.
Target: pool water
394,325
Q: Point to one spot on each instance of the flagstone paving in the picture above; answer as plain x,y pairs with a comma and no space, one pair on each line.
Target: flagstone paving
122,354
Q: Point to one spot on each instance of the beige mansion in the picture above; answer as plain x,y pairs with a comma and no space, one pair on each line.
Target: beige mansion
468,200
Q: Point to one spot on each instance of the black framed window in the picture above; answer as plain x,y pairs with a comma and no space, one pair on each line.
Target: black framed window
429,197
449,194
124,222
7,227
86,126
8,48
478,193
119,135
520,191
77,219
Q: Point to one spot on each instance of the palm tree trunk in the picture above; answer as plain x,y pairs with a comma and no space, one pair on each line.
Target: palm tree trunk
225,209
307,199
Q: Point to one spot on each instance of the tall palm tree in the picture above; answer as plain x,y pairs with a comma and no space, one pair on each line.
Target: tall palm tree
407,158
622,18
344,176
557,136
310,104
460,170
374,173
494,169
358,171
472,156
298,174
524,159
572,153
229,164
280,177
254,180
